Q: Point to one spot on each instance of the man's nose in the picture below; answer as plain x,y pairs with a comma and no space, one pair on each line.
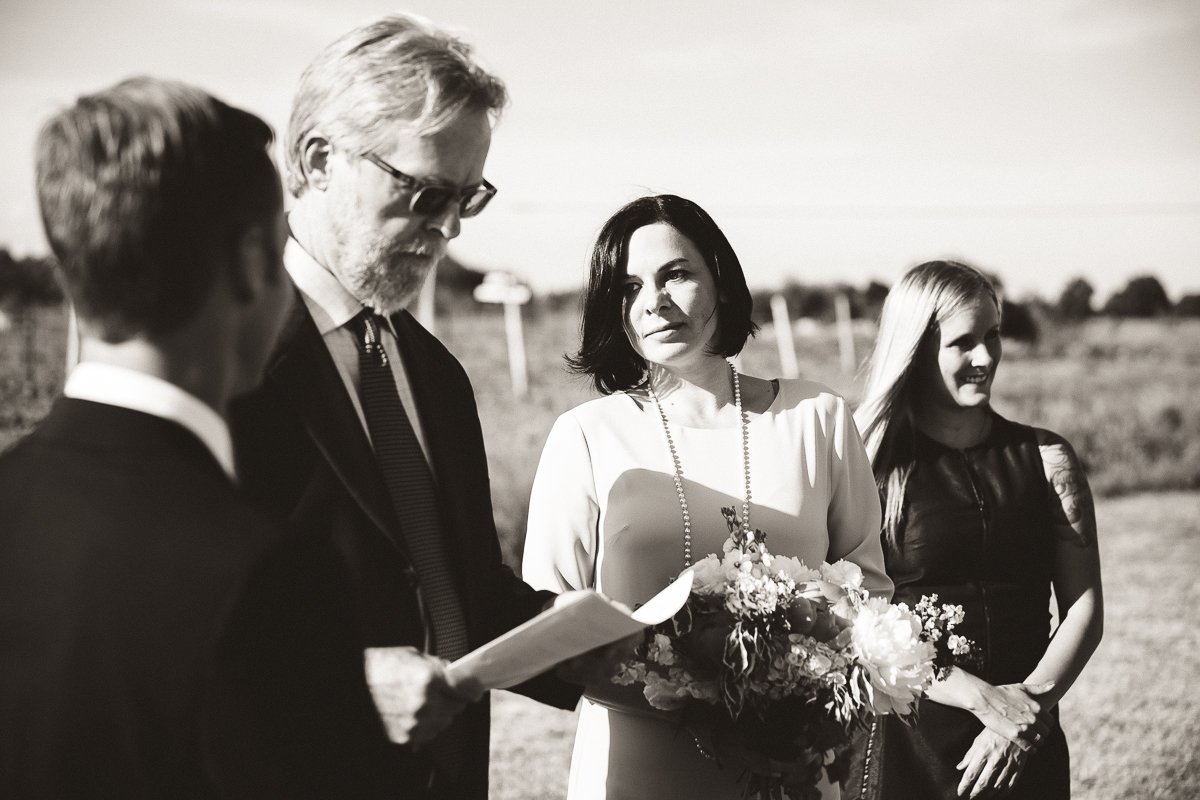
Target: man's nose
447,222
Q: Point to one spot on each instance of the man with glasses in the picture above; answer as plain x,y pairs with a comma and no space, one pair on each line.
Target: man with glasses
365,429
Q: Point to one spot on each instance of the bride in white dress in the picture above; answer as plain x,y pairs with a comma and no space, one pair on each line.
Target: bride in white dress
630,486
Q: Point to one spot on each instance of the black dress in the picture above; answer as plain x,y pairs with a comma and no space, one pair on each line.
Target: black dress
978,532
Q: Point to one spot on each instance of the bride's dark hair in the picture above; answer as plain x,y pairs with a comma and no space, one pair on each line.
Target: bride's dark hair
605,353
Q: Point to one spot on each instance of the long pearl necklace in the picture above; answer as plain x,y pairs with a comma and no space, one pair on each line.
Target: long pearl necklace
683,504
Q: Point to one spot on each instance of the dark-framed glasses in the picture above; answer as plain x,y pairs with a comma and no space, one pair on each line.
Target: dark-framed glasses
432,198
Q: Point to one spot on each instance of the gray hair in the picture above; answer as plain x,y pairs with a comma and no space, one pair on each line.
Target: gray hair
397,68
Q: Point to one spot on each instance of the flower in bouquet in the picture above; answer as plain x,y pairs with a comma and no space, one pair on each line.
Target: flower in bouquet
786,660
937,624
763,644
896,658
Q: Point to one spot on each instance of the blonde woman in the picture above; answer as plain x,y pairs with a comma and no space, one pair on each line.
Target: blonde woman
986,513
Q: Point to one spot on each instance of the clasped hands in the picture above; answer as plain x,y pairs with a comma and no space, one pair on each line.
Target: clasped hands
1015,724
417,699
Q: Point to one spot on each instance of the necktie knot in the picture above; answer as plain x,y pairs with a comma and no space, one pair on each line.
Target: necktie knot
366,326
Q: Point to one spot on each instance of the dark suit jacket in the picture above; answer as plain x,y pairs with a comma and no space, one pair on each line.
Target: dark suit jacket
303,457
159,638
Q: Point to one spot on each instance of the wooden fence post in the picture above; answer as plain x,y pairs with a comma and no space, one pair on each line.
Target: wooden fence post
845,329
501,287
29,325
72,338
517,363
783,337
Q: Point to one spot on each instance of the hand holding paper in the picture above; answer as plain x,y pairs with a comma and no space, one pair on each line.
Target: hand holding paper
414,695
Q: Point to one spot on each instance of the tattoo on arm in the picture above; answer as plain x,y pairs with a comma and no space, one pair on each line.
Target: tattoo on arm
1075,509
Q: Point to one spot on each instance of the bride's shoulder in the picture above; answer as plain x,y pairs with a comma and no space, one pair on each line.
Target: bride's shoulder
603,410
799,395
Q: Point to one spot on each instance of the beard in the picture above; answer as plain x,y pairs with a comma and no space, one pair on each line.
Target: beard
387,274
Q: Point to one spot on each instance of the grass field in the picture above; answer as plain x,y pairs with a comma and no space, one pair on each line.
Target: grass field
22,401
1125,394
1132,719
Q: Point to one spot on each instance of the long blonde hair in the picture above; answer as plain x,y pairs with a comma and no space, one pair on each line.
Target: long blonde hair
924,297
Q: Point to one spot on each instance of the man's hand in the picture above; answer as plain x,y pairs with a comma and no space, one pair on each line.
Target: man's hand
599,665
413,694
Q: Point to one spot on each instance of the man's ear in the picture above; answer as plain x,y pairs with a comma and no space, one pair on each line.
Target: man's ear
315,161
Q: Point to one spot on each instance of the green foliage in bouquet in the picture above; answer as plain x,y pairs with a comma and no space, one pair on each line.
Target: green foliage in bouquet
787,662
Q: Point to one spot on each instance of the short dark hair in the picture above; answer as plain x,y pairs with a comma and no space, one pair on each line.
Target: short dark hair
605,352
144,190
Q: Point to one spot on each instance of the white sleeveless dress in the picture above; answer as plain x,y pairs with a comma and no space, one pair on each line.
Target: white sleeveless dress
604,513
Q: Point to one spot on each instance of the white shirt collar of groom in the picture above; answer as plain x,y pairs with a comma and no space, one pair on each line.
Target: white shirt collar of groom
137,391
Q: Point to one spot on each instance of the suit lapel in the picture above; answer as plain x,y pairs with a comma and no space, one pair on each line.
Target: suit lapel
424,390
304,376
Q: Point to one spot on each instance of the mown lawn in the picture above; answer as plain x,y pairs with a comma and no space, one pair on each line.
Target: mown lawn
1133,719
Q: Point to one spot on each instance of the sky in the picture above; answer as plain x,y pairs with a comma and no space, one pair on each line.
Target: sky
832,140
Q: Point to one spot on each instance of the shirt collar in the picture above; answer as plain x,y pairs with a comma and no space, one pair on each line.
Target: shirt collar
330,304
137,391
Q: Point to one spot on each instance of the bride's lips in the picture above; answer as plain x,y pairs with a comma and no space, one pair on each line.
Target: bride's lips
671,327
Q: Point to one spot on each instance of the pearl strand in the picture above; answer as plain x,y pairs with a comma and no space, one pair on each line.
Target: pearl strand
678,469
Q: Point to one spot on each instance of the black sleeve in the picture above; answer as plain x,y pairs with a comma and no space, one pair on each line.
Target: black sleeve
289,713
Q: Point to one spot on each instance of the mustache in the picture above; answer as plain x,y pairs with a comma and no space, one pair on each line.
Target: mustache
435,249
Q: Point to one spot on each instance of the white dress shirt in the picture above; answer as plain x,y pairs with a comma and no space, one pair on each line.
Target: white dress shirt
332,307
137,391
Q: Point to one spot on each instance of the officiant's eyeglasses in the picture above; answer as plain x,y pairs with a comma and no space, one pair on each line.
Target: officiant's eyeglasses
432,198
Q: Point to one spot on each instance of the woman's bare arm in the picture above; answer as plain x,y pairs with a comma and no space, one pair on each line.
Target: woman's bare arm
1077,584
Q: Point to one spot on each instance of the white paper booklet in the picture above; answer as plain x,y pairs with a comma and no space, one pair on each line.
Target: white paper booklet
578,622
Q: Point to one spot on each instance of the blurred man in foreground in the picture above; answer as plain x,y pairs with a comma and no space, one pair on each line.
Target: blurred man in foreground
158,638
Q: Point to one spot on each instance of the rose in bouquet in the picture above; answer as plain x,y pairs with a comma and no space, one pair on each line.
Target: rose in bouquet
773,664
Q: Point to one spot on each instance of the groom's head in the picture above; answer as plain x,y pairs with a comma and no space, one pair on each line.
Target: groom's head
389,132
153,192
165,212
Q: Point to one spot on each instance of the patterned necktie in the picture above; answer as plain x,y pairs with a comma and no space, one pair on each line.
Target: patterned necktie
409,482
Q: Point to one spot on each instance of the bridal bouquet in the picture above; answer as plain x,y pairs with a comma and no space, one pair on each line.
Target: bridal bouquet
786,661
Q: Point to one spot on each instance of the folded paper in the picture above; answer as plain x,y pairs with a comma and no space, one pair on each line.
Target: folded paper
578,622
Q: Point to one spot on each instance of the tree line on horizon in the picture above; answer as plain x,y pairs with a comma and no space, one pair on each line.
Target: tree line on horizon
1143,296
30,281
